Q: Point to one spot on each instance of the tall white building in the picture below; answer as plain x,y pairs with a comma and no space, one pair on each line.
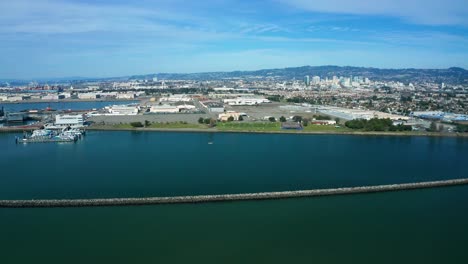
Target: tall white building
315,80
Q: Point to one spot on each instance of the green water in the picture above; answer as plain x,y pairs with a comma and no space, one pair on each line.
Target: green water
423,226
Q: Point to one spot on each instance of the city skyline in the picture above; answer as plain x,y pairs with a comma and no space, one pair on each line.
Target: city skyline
50,39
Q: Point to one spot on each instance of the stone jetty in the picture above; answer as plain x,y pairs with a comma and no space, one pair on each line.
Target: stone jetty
227,197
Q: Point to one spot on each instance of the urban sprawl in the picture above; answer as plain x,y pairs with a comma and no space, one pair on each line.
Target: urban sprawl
339,102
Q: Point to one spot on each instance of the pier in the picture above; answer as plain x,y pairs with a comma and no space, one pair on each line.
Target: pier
227,197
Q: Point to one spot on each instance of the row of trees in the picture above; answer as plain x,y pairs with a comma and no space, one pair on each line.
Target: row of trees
462,128
275,98
139,124
207,121
376,124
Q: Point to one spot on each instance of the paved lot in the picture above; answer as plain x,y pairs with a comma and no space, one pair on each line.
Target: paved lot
189,118
254,113
272,109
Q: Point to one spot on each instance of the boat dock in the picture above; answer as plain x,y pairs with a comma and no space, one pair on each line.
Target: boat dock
51,136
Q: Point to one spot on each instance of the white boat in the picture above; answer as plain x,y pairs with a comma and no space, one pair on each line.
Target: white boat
73,132
42,133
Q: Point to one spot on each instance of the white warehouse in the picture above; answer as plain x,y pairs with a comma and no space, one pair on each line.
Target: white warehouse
246,101
164,109
69,120
123,110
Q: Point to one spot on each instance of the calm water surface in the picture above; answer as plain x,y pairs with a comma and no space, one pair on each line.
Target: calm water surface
424,226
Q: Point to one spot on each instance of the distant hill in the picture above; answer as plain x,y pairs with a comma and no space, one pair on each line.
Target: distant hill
452,75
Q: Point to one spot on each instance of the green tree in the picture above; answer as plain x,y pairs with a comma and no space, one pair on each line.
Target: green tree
241,118
212,122
201,120
433,127
136,124
147,123
297,118
274,98
462,128
282,119
207,121
272,119
322,117
230,119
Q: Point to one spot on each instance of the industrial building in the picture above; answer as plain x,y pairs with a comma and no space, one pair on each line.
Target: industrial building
164,109
176,98
69,120
227,115
123,110
213,106
126,96
89,96
323,122
14,117
350,114
246,101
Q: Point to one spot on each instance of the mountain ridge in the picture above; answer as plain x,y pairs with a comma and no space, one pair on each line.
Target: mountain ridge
452,75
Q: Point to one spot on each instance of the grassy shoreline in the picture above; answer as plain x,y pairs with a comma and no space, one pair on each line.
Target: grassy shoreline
250,128
207,129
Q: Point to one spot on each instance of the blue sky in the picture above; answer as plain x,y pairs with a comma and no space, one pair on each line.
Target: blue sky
97,38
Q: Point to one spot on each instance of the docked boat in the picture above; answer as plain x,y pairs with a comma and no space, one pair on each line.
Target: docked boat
46,136
73,132
42,133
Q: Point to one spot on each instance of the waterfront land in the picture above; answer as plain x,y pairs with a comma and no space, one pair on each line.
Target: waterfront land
266,127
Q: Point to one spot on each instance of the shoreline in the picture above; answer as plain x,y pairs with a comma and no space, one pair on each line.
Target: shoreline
195,199
292,132
288,132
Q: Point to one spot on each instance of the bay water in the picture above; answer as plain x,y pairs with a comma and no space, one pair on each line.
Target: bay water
421,226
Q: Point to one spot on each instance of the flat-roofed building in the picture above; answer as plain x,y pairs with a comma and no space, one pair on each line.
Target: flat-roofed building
227,115
123,110
164,109
126,96
213,106
69,120
89,96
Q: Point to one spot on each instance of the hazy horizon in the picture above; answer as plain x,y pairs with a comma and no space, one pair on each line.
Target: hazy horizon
241,70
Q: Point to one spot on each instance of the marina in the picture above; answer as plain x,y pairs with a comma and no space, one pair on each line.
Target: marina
51,136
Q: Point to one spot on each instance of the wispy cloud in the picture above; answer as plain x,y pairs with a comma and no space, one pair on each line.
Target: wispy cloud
431,12
61,17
